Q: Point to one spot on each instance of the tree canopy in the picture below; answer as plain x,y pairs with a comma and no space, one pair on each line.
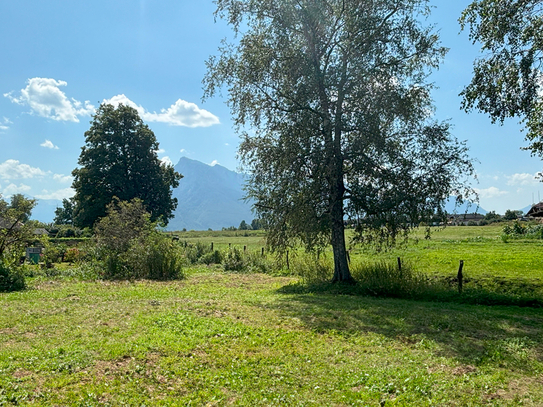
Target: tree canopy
331,101
507,79
15,231
120,160
65,215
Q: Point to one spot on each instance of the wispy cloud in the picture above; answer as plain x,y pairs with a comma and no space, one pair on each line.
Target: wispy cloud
59,194
181,113
49,144
523,179
14,189
214,163
64,179
13,169
45,99
4,124
491,192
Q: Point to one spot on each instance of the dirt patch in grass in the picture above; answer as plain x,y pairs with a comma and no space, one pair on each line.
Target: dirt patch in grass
463,370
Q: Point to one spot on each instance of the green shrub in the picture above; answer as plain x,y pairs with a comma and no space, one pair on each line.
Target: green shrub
72,255
387,280
212,257
193,252
234,260
312,268
11,278
158,258
128,245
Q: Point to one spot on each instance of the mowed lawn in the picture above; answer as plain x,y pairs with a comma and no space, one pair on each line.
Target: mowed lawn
239,339
219,339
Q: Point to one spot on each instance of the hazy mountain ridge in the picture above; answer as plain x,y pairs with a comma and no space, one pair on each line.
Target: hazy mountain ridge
208,197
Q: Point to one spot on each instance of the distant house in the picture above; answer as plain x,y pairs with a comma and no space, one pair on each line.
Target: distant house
465,218
41,232
8,224
536,211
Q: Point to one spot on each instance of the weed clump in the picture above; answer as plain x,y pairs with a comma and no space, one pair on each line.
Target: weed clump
11,278
128,246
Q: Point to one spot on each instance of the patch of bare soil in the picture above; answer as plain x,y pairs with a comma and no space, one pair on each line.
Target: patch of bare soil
462,370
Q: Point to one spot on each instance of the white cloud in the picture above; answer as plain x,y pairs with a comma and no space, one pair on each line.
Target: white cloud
182,150
49,144
160,151
181,113
14,189
13,169
4,124
226,144
64,179
214,163
166,160
523,179
59,195
45,99
491,192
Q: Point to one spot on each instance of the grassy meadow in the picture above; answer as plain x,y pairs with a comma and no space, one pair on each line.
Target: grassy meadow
252,339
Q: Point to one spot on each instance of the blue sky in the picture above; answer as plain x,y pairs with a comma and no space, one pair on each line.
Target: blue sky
62,59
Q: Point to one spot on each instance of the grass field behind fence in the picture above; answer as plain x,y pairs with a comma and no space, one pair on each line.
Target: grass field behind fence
219,339
481,248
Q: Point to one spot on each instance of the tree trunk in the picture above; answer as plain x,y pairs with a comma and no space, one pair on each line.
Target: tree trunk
341,265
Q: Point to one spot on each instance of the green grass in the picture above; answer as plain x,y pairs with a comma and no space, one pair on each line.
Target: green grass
220,338
242,339
483,252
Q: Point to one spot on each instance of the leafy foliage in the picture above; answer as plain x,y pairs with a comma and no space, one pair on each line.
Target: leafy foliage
129,246
14,232
507,80
120,160
65,214
11,279
511,214
340,117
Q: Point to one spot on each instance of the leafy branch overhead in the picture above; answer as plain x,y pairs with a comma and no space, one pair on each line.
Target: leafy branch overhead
507,79
331,101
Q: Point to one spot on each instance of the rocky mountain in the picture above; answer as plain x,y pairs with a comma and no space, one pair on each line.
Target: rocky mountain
208,197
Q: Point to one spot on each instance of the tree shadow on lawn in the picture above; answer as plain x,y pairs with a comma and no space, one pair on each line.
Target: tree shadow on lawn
473,334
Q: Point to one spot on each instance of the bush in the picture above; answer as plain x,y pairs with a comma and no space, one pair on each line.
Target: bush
129,246
11,278
234,260
387,280
158,258
194,252
72,255
212,257
312,268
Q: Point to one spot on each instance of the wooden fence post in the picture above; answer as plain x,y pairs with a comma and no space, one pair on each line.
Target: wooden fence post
262,252
288,265
399,265
460,277
211,246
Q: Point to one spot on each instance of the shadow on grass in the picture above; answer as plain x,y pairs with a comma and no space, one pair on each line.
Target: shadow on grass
474,334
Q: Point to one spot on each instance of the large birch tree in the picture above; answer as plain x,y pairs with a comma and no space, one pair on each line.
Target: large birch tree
334,111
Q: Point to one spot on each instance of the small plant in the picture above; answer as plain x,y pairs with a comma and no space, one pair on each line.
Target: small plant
129,246
388,280
72,255
11,278
312,268
234,260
